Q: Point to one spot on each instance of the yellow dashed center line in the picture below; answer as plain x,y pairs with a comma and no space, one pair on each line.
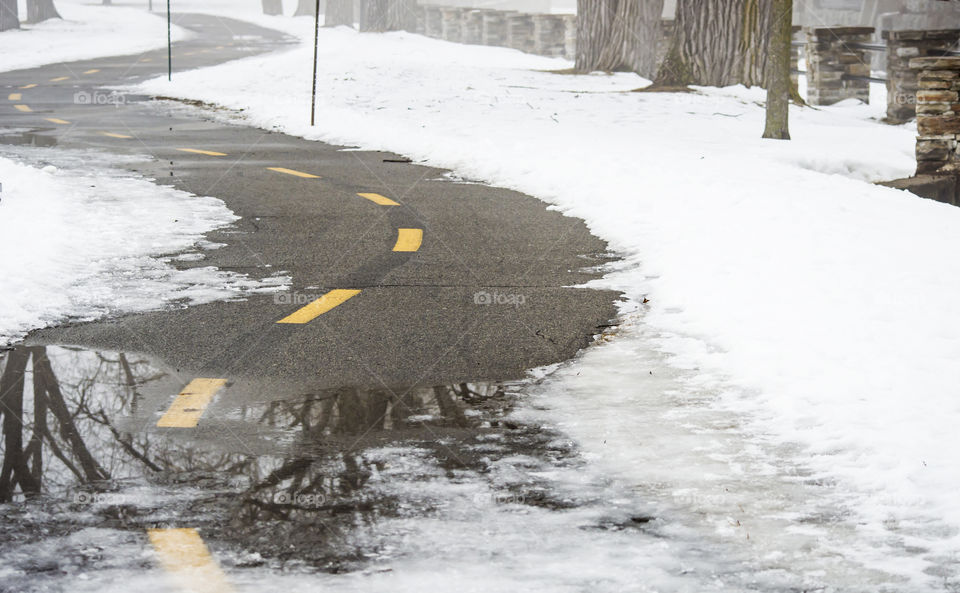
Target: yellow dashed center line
14,96
59,78
320,306
145,59
378,199
112,135
206,152
56,120
292,172
188,407
92,71
23,108
29,86
183,554
408,239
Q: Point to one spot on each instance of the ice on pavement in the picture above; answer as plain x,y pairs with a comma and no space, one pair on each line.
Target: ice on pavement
792,295
85,240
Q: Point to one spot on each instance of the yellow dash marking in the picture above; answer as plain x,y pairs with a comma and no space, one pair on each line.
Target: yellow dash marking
408,239
292,172
112,135
59,78
29,86
14,96
57,120
378,199
183,554
24,108
186,409
320,306
146,59
92,71
206,152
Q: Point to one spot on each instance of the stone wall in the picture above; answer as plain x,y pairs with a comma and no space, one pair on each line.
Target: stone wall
902,47
938,115
543,34
831,61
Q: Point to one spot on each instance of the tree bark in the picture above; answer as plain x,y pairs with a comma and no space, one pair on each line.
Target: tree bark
778,87
339,12
41,10
378,16
306,8
718,43
272,7
618,35
9,15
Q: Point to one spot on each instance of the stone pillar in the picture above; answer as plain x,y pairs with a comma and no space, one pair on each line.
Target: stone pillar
903,46
451,20
830,59
495,27
432,19
472,27
520,32
549,35
570,36
938,115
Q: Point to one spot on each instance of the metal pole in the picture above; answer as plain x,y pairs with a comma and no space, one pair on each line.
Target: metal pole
316,42
169,46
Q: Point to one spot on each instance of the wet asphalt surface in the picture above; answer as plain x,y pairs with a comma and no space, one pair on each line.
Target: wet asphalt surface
412,360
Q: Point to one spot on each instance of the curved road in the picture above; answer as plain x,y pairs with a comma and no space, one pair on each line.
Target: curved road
388,258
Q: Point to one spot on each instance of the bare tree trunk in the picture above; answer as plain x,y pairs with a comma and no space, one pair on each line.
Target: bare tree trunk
41,10
9,15
377,16
272,7
718,43
618,35
778,89
306,8
339,12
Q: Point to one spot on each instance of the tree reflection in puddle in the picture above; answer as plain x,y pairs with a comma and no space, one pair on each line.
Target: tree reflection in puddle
286,478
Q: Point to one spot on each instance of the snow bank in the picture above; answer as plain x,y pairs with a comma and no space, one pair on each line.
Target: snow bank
817,308
78,243
86,31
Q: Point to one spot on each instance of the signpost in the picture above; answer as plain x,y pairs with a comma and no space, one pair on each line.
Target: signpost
316,41
169,46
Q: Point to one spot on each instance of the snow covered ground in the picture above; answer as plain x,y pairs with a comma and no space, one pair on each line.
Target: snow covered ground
803,319
81,242
86,31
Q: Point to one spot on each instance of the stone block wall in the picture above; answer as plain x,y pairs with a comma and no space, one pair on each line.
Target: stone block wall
552,35
831,60
938,115
902,80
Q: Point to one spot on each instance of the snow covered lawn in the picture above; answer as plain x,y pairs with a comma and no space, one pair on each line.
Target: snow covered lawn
79,240
86,31
808,318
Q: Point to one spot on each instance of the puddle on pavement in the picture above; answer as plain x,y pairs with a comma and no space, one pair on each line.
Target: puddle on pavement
20,137
265,472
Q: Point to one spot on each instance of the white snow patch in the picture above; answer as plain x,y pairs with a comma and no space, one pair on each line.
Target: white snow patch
81,240
86,31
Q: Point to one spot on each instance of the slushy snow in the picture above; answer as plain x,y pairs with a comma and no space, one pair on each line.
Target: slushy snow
81,242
